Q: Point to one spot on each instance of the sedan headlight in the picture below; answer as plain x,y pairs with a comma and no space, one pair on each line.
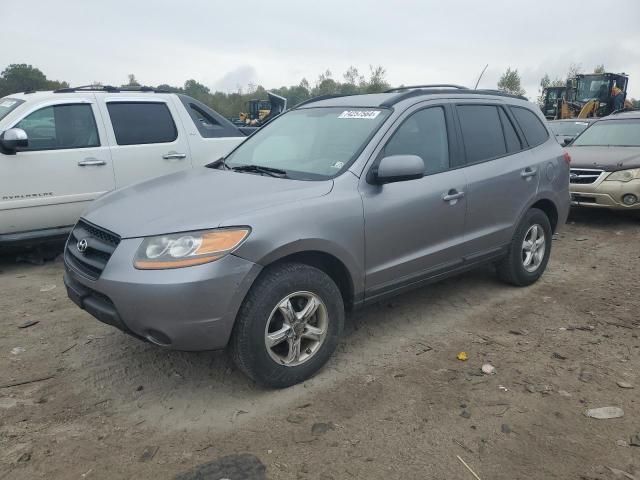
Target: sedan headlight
187,249
624,175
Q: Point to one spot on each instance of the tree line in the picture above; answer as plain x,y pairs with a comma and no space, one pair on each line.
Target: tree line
22,77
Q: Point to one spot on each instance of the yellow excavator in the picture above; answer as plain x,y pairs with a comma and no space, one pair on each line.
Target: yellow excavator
591,95
260,112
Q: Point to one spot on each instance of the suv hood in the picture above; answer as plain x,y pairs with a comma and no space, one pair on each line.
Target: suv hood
194,200
610,159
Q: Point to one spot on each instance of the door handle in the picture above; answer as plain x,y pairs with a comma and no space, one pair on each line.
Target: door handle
528,172
452,195
174,156
91,162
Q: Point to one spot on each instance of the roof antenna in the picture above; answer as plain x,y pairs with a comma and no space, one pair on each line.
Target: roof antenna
481,74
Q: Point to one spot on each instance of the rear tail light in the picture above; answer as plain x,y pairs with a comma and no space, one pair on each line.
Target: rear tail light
567,157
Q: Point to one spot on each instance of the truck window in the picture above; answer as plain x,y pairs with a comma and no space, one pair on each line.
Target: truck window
139,123
60,127
210,124
533,129
481,132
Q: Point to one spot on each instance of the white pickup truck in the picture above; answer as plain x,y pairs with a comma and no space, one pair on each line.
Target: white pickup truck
60,150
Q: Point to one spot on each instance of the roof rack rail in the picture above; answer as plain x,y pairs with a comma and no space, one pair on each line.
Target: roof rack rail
87,88
464,91
110,89
433,85
321,97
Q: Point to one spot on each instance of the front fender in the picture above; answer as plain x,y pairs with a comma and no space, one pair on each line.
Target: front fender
323,246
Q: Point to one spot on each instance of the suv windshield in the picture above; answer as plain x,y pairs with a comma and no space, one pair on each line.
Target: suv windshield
611,133
570,129
310,143
7,105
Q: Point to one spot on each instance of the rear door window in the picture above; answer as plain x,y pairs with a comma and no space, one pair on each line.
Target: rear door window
424,134
139,123
60,127
481,132
532,127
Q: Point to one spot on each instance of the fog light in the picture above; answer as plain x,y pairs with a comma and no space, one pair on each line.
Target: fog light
629,199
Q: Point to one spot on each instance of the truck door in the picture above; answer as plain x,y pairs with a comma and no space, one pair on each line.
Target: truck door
146,136
46,185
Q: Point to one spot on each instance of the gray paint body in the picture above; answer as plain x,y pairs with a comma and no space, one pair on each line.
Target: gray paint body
388,237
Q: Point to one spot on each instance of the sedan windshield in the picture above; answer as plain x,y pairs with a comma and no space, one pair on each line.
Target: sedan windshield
310,143
7,105
569,129
613,133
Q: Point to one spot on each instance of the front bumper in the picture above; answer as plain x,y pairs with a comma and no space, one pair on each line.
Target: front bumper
605,194
191,308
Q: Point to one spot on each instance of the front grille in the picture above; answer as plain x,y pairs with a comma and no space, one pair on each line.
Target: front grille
584,175
100,245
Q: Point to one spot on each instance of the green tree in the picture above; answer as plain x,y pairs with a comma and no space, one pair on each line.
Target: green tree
573,70
132,81
546,82
197,90
510,82
377,80
599,69
22,78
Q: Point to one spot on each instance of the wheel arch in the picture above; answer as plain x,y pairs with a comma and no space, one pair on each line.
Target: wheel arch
550,210
337,264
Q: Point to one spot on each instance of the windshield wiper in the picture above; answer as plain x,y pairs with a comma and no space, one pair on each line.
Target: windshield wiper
272,172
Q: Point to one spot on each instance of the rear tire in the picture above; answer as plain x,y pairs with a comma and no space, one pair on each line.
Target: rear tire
288,326
529,250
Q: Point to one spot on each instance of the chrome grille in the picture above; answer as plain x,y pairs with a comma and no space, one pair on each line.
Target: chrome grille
584,175
100,245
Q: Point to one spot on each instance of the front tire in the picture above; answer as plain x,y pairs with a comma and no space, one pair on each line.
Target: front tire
529,250
288,325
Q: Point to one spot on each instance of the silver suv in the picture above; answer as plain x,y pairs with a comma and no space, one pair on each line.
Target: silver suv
338,203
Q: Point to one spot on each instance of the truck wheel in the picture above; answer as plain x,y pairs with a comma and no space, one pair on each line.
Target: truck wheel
529,250
288,325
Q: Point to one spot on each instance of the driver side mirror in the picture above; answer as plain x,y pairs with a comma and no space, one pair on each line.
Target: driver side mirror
398,168
12,139
567,141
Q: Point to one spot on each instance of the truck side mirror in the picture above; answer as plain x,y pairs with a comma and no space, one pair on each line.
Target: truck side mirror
567,141
12,139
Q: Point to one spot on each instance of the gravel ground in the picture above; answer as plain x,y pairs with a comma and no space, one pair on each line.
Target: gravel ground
393,403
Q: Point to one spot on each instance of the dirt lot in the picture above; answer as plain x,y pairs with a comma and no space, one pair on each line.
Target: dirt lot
393,403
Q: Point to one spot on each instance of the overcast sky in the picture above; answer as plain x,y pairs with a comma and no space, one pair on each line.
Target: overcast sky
224,44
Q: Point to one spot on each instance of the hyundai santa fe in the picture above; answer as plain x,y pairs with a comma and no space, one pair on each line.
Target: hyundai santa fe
338,203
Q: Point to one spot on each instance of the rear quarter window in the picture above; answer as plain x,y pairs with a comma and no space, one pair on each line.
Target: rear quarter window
138,123
534,131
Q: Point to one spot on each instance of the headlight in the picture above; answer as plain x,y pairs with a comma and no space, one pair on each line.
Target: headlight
624,175
187,249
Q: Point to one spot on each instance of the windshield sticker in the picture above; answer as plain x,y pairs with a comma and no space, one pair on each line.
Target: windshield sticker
7,103
361,114
338,165
582,123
